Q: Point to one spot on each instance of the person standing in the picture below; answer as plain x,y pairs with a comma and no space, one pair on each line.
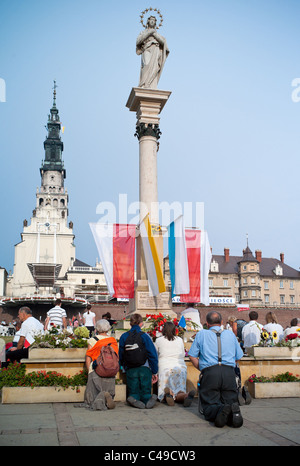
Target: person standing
251,332
272,326
138,356
89,319
215,353
56,316
191,314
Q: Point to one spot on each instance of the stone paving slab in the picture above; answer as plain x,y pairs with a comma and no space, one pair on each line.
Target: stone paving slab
272,422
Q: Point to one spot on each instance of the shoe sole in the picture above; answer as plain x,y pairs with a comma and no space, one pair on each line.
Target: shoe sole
170,400
109,401
223,416
237,419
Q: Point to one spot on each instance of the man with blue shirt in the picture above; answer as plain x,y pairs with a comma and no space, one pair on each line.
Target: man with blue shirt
215,352
138,356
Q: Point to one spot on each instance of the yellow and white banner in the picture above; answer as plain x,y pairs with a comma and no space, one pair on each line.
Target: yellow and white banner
153,266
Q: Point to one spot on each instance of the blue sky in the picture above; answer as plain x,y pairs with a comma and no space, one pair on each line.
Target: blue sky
230,130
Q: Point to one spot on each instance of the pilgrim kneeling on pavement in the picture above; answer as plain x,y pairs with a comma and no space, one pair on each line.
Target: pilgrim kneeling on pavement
215,353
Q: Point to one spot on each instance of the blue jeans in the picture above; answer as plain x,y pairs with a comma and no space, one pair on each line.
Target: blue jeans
139,383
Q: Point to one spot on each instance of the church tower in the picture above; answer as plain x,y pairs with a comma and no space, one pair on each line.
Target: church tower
47,248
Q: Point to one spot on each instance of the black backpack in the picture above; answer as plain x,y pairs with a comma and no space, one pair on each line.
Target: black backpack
135,353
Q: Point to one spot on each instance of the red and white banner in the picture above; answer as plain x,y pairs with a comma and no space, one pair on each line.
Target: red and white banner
199,258
116,247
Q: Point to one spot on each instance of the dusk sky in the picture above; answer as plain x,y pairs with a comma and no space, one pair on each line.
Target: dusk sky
230,130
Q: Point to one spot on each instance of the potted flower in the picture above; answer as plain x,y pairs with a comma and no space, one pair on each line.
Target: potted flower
59,344
285,385
270,346
18,386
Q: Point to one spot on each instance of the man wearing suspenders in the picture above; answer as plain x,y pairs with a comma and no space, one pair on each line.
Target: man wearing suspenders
215,352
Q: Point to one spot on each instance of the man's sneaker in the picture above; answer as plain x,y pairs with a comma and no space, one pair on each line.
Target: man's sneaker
246,395
237,419
189,399
135,403
223,416
151,402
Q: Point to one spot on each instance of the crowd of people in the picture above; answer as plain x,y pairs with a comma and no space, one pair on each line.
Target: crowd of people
215,352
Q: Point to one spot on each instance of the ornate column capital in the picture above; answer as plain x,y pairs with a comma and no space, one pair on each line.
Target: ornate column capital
143,129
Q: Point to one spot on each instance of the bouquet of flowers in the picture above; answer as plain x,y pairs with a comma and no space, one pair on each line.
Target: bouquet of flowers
157,322
268,339
291,340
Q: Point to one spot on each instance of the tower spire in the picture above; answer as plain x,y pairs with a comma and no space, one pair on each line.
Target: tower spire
54,93
53,144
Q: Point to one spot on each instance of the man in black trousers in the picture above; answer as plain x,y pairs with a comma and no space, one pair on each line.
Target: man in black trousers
215,352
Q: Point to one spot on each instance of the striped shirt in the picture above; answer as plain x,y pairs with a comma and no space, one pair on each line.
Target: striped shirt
56,315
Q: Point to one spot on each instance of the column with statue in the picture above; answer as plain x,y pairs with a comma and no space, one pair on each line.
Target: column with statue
147,101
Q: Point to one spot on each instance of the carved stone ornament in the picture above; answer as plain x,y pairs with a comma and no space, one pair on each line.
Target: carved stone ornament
147,130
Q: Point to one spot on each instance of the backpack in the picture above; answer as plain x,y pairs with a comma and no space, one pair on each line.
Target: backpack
135,353
240,324
107,363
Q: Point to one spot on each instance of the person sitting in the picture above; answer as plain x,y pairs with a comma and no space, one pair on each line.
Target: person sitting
30,327
138,357
272,325
172,370
100,391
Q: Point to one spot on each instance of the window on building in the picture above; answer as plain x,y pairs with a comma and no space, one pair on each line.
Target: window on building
83,281
244,267
281,284
292,299
252,280
291,285
253,293
245,293
282,299
210,283
237,298
267,298
245,281
266,285
96,281
236,283
225,282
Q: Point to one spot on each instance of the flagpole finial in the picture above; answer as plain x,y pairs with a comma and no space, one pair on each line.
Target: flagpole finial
247,239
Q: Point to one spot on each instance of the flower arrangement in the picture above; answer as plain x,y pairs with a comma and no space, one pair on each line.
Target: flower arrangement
272,339
157,322
15,376
55,338
284,377
268,339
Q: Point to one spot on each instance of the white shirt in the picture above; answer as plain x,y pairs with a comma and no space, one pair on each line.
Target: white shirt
251,333
290,330
272,327
30,328
88,319
193,314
